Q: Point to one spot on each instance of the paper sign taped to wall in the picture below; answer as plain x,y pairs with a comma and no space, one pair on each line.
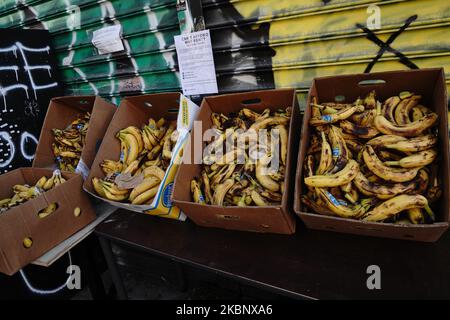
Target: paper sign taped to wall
196,63
108,39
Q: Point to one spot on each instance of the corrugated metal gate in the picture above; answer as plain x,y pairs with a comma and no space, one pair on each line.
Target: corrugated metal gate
284,43
148,27
257,43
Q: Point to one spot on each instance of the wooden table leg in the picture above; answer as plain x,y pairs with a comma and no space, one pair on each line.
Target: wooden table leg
113,269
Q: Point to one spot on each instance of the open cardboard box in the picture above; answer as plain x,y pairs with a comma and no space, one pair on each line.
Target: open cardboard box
430,84
136,111
61,112
22,221
270,219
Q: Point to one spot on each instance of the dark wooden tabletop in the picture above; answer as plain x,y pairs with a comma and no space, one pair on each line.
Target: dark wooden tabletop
316,264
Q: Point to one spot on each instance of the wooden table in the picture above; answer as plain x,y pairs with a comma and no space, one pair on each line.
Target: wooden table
309,264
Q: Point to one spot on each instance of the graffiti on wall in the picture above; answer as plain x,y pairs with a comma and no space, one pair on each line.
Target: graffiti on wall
27,82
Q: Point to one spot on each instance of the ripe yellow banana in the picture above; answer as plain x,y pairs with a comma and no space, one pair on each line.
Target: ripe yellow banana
414,144
20,188
263,177
49,183
154,171
112,195
131,145
197,192
346,175
40,183
420,159
283,142
132,167
258,199
110,166
326,157
416,216
137,136
145,185
207,187
114,189
98,187
167,150
146,196
47,211
393,206
385,172
339,116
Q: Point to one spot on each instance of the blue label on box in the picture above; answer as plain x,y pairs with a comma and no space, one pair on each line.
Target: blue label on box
167,193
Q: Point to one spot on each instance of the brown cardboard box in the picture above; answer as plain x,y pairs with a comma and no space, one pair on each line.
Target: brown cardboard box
430,84
136,111
22,221
61,112
271,219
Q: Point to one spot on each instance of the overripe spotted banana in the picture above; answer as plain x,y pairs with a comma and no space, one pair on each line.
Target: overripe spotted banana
401,113
385,172
393,206
258,199
416,144
207,187
340,115
412,129
420,159
359,131
221,190
346,175
270,121
339,151
389,106
326,157
381,190
338,207
263,177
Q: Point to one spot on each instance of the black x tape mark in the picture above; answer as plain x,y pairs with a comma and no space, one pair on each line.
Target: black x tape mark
386,46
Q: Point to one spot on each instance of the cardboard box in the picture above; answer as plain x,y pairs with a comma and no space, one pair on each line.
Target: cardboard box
61,112
136,111
270,219
22,221
430,84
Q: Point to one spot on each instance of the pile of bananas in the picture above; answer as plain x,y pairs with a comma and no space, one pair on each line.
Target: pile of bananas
374,162
146,154
23,193
227,182
69,142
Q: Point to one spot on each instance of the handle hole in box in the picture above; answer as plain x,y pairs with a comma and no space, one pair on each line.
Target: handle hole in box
339,98
27,242
47,211
83,102
408,236
251,101
375,82
172,110
227,217
148,104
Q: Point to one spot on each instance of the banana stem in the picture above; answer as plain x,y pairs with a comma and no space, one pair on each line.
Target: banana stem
392,163
378,108
430,213
350,198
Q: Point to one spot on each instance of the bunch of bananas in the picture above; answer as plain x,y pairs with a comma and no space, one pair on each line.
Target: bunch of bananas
226,180
372,161
145,154
69,142
24,192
